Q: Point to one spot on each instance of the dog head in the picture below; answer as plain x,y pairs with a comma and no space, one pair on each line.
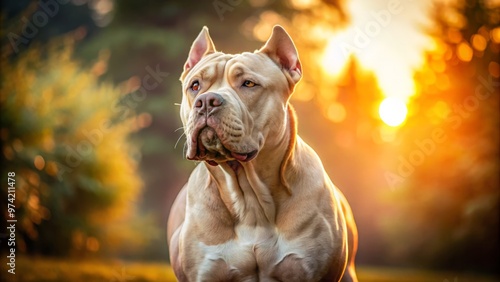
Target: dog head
233,106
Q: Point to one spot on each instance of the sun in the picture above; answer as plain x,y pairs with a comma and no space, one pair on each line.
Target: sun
393,111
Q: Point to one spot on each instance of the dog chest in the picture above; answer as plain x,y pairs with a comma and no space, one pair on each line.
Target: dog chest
256,254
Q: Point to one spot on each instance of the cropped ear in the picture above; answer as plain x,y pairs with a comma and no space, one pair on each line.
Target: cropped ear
202,46
280,48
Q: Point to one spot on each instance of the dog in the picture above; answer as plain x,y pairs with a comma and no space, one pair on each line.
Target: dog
259,205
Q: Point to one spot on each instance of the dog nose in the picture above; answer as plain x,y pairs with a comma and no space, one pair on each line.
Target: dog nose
207,103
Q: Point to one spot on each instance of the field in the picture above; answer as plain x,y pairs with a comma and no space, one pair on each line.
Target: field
45,270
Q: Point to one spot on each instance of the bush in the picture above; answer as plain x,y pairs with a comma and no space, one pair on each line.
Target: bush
66,137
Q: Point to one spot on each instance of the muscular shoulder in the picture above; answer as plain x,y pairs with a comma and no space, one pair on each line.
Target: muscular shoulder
312,190
308,170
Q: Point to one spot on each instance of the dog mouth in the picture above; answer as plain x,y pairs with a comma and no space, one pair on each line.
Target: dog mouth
207,146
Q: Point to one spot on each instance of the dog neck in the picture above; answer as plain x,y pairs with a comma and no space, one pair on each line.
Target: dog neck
250,189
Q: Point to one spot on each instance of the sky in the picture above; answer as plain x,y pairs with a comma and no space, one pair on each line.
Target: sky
388,37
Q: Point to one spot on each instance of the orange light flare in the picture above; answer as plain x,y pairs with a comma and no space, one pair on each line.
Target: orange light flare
397,85
393,111
386,40
334,59
395,80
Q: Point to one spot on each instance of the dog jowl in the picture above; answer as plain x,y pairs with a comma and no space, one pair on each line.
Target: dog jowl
259,205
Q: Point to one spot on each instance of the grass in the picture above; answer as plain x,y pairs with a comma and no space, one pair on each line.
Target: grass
371,274
57,270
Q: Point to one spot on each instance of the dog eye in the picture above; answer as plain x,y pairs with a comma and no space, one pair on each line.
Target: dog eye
249,84
195,86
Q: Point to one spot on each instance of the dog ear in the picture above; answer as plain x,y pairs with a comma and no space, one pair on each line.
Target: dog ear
202,46
280,48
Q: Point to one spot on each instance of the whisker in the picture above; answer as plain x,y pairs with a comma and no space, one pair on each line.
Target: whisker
179,139
184,150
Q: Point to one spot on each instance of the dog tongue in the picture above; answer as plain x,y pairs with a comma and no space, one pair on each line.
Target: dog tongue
239,157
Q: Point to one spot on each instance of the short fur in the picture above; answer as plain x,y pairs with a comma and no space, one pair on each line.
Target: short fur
259,206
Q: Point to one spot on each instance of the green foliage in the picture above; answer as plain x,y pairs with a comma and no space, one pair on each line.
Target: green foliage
66,136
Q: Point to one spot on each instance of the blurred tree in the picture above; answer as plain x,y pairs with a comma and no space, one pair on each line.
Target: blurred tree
448,167
28,22
66,136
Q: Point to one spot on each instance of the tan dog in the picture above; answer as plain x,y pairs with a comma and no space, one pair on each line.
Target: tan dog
261,206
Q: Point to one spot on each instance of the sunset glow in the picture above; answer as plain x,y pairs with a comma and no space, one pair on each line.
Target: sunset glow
393,111
372,38
335,60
